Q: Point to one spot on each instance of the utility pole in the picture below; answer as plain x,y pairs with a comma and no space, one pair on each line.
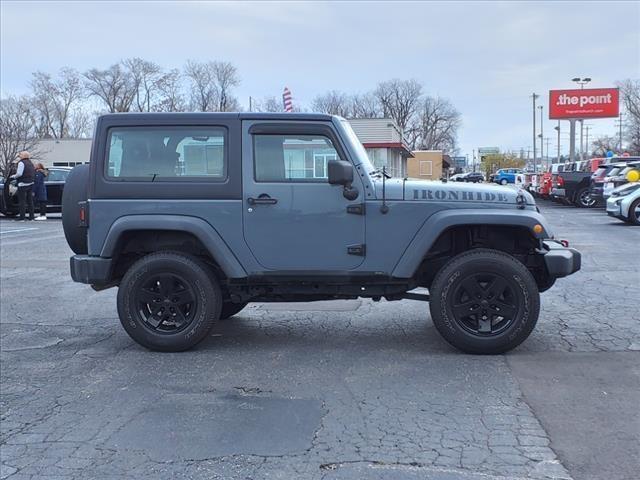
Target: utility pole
474,159
250,104
547,140
620,126
581,138
535,162
558,129
541,136
587,142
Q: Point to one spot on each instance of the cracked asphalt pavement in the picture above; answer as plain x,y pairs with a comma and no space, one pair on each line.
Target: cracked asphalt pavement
327,390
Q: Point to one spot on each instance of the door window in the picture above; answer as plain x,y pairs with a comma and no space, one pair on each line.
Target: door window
292,158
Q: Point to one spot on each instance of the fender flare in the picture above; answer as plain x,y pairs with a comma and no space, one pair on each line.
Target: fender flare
202,230
444,219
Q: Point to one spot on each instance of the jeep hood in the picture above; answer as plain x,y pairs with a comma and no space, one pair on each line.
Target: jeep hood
429,191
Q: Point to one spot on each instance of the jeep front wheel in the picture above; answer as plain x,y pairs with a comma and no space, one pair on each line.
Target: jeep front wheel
168,301
484,302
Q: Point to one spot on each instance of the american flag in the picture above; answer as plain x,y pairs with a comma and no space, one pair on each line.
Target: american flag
286,99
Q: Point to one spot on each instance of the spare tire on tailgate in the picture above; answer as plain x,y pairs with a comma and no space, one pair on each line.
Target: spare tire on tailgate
75,191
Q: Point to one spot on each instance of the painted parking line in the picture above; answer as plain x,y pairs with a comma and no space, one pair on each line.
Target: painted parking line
19,230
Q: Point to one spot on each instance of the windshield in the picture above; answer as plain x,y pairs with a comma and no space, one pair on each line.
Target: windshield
354,141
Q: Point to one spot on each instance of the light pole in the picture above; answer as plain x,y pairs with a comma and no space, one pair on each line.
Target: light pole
541,137
582,82
558,130
535,161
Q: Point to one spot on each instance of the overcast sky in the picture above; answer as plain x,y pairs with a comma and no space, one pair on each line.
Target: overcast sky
486,57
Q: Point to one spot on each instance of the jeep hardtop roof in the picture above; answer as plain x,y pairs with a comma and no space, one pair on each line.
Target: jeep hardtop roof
155,116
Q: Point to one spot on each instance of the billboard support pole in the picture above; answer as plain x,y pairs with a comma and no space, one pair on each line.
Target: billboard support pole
572,139
535,161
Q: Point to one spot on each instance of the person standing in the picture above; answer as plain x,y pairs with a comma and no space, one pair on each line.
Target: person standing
25,176
40,190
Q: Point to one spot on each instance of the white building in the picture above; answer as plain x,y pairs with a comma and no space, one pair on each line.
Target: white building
384,143
63,153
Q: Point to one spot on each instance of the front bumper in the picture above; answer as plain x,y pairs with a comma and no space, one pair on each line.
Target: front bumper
613,207
90,269
560,260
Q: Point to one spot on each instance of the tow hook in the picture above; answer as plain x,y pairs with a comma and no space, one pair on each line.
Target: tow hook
565,243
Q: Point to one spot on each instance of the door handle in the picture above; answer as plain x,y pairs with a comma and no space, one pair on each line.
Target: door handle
263,199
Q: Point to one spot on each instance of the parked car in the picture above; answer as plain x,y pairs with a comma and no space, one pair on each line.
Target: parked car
596,187
194,215
471,177
609,181
54,184
506,175
458,177
544,185
572,186
624,203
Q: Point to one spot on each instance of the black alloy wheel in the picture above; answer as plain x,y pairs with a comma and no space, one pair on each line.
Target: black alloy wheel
166,303
484,301
584,199
484,304
169,301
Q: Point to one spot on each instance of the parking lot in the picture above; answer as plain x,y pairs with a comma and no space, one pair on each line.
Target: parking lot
342,390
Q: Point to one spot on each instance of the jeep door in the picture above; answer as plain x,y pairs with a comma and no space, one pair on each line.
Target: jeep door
293,219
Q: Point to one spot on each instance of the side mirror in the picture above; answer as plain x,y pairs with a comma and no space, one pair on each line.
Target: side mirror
341,173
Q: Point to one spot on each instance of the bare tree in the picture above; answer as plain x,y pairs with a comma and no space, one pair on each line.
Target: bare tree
365,106
399,99
55,99
630,90
146,77
171,97
226,77
603,144
436,125
268,104
81,123
17,130
211,84
115,86
332,102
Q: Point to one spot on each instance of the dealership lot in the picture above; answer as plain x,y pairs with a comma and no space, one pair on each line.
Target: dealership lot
335,390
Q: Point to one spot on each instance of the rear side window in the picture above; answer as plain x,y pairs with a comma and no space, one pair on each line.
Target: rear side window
167,153
292,158
57,175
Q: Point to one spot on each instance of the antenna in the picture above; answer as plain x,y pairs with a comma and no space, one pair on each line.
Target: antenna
384,209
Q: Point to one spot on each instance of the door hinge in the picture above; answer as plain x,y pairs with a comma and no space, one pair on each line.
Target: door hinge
358,249
356,208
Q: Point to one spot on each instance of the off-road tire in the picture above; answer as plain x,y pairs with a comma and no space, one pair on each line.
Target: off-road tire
470,265
583,200
229,309
631,218
195,275
75,191
504,181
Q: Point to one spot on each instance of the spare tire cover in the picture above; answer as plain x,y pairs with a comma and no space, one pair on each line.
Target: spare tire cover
75,191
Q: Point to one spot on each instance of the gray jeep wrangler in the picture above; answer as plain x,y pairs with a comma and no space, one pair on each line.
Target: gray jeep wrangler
193,215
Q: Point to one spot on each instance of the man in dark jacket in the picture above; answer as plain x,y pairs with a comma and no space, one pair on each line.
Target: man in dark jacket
25,176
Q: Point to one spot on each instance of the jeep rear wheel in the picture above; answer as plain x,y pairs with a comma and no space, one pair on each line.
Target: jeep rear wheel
503,181
484,302
168,301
